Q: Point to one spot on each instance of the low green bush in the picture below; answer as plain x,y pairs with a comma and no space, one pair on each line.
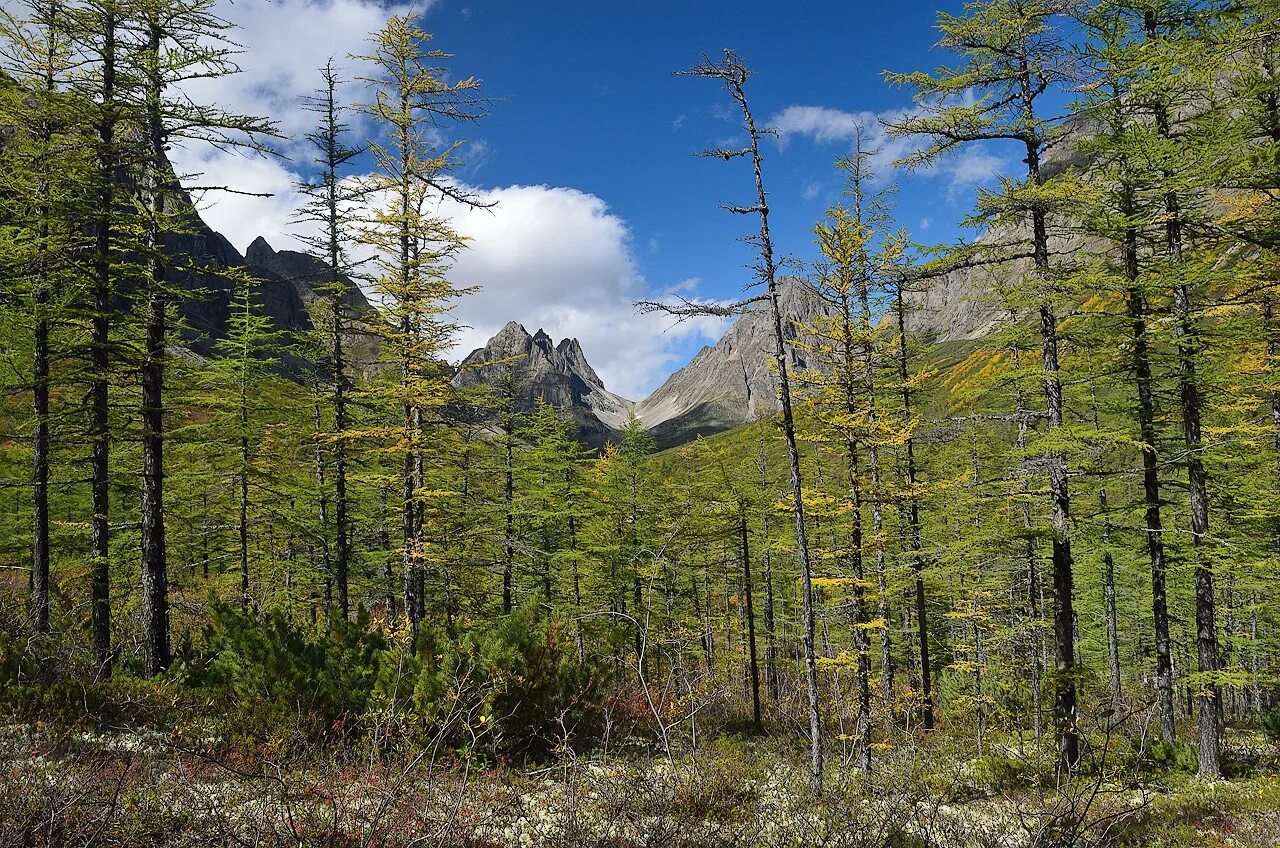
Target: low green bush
515,689
278,674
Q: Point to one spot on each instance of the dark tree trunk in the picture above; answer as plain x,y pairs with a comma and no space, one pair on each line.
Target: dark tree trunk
913,520
861,641
155,582
1064,702
1141,363
508,522
40,449
1207,658
750,613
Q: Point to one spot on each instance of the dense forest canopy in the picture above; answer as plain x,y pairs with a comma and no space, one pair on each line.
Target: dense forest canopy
261,485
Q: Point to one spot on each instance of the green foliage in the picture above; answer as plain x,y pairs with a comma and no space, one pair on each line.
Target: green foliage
278,671
1270,723
516,688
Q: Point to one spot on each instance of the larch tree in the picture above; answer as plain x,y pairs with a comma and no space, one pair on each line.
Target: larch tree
332,197
413,240
733,73
43,186
1010,55
167,45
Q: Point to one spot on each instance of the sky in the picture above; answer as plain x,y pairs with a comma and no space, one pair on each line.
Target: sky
589,149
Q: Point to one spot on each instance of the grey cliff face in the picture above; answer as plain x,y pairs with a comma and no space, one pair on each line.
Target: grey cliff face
555,373
964,304
307,278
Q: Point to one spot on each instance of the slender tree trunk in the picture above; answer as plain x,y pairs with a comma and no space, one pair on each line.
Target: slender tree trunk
508,520
913,514
40,441
51,21
322,497
772,682
861,637
750,613
1207,658
1141,363
734,76
1029,560
1064,706
1108,562
155,583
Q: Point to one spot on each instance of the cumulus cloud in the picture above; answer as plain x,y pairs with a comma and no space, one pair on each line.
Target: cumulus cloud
558,259
284,43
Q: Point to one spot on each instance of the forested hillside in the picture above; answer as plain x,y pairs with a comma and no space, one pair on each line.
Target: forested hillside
970,544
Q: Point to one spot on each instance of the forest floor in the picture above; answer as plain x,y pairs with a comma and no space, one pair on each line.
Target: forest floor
88,788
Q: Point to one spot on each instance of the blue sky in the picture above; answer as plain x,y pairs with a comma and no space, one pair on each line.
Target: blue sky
589,148
591,103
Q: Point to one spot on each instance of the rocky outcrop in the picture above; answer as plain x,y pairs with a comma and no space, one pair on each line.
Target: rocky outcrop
535,368
734,381
308,277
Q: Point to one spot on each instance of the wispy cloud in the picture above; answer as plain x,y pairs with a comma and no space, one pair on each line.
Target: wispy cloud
963,170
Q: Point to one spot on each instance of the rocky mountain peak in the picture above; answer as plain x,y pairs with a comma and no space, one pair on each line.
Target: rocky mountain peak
733,381
544,370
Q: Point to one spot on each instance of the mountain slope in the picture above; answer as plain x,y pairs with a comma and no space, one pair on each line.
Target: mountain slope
734,381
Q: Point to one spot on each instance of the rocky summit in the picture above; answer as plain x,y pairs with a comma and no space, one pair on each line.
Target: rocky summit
533,368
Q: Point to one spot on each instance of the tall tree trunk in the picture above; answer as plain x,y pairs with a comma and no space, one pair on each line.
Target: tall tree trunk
1207,659
772,681
750,613
1108,563
1064,703
1029,557
733,74
322,490
40,350
1141,364
509,516
40,439
155,583
913,518
861,636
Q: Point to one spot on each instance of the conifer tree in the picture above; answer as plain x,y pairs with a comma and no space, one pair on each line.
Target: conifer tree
1122,218
1010,56
171,42
330,200
733,74
43,185
414,244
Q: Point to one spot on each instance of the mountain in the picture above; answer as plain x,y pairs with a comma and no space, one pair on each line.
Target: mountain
725,386
735,380
556,373
964,303
306,274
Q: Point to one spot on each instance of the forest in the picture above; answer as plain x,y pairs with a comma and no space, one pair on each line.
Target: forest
305,583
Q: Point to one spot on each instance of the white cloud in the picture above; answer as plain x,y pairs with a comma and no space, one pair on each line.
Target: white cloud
285,43
829,126
558,259
972,166
969,167
549,257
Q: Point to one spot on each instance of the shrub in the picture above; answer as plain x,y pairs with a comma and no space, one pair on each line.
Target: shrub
276,671
515,689
1269,720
